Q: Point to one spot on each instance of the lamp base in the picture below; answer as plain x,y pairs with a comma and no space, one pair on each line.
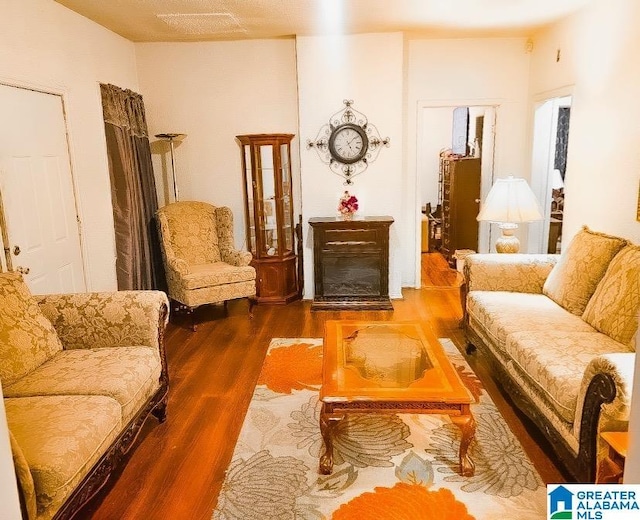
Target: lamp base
508,243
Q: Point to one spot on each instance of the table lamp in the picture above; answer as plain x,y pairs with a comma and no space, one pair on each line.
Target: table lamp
556,180
509,202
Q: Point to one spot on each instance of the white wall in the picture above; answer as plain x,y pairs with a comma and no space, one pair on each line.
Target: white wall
465,72
433,134
213,91
367,69
597,56
603,163
48,47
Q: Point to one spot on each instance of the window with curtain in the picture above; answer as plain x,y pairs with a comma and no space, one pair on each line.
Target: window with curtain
133,190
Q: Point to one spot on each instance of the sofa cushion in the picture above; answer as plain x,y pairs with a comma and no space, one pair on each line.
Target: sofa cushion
61,438
27,338
542,356
501,313
580,268
613,308
130,375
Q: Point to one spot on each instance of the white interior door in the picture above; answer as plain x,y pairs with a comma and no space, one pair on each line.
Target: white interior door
43,236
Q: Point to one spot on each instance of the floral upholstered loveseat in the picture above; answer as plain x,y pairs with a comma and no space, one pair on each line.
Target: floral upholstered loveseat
559,331
80,374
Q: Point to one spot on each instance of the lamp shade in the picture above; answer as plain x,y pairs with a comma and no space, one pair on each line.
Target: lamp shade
510,200
556,180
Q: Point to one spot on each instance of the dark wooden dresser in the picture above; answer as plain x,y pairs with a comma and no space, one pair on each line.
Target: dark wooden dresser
351,263
460,197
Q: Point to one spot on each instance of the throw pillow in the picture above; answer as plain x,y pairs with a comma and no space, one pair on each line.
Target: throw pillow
27,338
613,308
581,266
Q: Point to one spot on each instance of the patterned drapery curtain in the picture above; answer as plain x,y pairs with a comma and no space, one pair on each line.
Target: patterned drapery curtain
133,190
562,140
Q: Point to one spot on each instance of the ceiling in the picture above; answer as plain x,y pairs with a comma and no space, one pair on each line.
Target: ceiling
205,20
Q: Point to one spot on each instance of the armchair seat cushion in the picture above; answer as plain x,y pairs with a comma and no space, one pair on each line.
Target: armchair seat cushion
130,375
500,313
217,273
61,438
541,356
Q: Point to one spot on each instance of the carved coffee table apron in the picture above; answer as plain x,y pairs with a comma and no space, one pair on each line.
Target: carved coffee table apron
389,367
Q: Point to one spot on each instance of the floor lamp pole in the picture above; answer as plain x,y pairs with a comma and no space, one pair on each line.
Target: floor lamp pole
171,138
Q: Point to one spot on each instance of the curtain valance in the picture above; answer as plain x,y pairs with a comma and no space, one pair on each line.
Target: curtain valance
124,108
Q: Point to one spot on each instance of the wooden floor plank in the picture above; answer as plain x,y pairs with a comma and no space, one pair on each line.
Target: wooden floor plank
177,468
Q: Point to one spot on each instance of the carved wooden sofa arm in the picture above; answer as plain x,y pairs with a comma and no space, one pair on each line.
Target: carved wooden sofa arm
605,396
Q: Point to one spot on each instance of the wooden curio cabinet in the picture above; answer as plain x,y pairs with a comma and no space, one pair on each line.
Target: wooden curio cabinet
266,166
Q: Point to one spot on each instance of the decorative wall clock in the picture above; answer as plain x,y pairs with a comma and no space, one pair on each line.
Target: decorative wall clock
348,143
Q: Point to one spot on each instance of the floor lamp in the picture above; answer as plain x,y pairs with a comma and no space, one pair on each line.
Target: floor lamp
509,202
171,138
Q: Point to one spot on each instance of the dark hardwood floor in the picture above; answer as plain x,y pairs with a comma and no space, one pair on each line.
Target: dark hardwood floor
177,468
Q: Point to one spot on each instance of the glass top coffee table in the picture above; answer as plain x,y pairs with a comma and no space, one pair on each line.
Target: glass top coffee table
389,367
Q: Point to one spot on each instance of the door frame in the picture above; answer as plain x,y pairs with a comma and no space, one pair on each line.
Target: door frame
538,236
485,182
62,93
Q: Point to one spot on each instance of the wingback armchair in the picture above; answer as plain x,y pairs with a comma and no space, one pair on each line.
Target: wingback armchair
201,263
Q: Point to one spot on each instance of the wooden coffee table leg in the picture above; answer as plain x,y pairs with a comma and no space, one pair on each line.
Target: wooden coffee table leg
328,422
467,425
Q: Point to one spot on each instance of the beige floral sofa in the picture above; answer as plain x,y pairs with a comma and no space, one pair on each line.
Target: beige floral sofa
80,374
558,331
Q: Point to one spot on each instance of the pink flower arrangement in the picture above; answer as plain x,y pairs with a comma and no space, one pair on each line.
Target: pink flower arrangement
348,204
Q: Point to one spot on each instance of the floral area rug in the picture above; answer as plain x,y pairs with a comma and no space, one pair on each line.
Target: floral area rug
386,467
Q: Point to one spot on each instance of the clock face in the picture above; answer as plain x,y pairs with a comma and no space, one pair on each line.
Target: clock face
348,143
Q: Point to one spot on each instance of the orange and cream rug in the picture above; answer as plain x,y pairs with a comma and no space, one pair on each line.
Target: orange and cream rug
387,467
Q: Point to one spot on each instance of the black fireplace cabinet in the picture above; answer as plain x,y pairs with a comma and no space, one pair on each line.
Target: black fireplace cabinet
351,263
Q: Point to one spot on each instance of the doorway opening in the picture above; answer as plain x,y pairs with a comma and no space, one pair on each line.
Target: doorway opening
466,133
548,170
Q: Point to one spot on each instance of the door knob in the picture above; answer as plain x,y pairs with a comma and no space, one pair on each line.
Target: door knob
16,250
23,270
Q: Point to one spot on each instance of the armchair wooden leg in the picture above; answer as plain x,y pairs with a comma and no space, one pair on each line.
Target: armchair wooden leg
194,322
252,303
177,307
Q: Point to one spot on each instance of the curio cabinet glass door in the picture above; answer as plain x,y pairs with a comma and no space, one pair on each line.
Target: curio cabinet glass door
266,165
